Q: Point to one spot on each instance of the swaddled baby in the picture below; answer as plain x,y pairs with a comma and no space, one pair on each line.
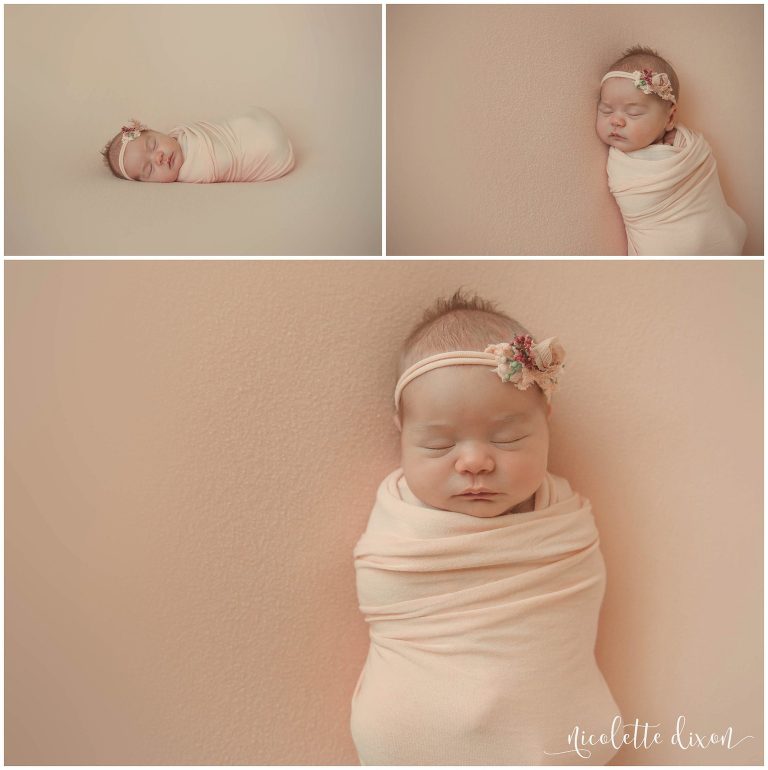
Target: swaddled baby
250,148
662,174
479,573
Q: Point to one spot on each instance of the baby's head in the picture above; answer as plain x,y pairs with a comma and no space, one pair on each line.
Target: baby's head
462,426
145,155
631,111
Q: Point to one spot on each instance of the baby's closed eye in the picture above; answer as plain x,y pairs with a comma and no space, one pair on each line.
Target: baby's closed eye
444,446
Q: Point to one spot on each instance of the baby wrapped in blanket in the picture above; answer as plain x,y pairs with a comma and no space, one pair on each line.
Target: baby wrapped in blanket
479,573
662,174
252,147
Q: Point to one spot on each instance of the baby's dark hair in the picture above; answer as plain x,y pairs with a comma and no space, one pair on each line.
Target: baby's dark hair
110,153
459,322
638,56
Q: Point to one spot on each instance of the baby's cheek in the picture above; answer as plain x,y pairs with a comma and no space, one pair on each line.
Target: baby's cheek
531,463
416,466
425,477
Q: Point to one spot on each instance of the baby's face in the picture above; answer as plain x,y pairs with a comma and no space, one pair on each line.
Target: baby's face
628,119
464,428
153,157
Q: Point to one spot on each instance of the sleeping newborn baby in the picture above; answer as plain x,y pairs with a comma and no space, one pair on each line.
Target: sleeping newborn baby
662,174
250,148
479,573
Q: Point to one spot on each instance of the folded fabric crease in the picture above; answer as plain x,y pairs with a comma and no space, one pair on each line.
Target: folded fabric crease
482,632
250,148
671,200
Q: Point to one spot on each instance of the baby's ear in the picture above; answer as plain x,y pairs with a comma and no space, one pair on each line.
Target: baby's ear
671,115
396,420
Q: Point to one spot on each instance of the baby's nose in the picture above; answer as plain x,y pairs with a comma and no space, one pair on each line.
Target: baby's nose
474,459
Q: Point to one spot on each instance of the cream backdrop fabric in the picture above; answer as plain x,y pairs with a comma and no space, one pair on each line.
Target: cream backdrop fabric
671,200
76,73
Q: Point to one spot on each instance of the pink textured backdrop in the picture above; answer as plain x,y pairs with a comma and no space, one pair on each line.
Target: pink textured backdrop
193,448
491,146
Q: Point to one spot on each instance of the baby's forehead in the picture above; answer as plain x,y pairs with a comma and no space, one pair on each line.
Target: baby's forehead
474,389
135,146
623,89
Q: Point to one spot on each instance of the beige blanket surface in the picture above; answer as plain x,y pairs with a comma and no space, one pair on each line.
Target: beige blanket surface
482,633
671,200
250,148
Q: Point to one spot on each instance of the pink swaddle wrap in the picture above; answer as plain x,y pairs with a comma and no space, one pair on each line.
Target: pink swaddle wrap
671,200
250,148
482,633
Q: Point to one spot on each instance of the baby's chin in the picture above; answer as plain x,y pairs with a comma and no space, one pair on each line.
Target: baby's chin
620,144
482,508
174,175
167,180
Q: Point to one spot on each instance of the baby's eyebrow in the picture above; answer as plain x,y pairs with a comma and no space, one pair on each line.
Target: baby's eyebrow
628,104
422,426
511,417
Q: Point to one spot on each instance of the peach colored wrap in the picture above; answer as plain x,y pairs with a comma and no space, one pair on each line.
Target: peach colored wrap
250,148
482,632
671,200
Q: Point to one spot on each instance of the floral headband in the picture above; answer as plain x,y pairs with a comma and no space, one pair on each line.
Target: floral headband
522,362
130,132
648,81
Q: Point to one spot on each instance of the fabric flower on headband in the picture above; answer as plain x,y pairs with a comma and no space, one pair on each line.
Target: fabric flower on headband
132,130
524,362
650,82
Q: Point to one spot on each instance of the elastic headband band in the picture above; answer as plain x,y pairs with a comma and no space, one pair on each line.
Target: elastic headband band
648,81
130,132
452,358
522,362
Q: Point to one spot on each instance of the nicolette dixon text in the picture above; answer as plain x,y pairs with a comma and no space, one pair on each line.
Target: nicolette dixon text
641,735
